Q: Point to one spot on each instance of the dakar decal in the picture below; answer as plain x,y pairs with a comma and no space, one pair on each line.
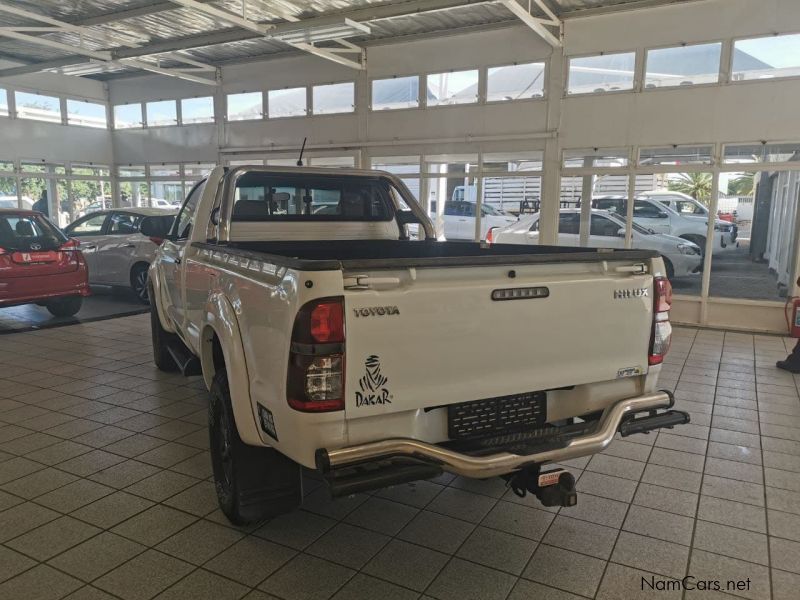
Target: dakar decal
373,385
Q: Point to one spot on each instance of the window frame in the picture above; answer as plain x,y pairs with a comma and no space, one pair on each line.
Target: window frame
181,120
732,42
70,229
642,85
69,99
479,96
635,84
484,81
419,105
141,125
263,113
53,95
146,113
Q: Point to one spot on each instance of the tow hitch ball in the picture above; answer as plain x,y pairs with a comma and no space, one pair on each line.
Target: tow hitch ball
553,488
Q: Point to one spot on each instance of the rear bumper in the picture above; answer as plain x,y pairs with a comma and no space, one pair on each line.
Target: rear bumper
497,461
24,290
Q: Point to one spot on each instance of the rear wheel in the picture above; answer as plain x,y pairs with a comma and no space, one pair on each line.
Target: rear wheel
139,282
670,269
252,483
65,307
161,356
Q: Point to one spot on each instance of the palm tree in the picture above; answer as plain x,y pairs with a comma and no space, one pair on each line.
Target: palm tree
696,185
742,185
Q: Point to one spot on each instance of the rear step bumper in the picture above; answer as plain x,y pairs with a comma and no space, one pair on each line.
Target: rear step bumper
621,417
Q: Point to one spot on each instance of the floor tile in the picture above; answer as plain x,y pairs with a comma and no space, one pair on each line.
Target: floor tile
23,517
154,525
383,516
436,531
651,555
96,556
732,542
307,578
581,536
112,509
706,565
658,524
565,570
364,587
39,583
498,550
250,560
461,580
297,529
463,505
348,545
52,538
406,564
13,563
670,500
199,542
202,585
144,576
735,514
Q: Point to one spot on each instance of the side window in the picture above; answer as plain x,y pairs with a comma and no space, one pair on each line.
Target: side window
185,218
603,227
569,223
468,209
88,226
646,210
123,224
452,209
535,225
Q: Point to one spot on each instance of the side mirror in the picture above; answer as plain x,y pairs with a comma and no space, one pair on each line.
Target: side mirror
155,227
663,215
621,232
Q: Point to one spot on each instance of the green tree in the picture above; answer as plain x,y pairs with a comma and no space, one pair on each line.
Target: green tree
696,185
742,185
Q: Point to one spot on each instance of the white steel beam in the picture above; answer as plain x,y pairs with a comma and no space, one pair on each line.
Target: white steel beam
554,20
42,41
534,23
225,15
178,73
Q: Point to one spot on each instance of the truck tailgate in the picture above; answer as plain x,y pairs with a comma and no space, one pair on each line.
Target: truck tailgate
419,338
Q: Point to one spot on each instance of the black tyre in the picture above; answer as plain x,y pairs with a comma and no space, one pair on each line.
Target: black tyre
139,282
669,267
65,307
161,356
699,240
252,483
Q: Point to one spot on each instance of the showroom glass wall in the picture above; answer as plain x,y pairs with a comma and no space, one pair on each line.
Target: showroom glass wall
62,191
750,247
158,185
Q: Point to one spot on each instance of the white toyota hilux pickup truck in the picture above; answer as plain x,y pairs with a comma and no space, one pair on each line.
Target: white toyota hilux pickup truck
331,340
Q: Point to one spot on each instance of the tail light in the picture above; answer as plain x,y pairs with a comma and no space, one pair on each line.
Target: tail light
71,245
490,235
315,377
661,336
2,251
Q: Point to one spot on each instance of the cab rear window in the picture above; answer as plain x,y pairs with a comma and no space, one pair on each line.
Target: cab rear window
24,232
271,197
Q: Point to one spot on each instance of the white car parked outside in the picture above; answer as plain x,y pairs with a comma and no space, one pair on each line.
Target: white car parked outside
652,214
116,252
689,207
607,230
459,219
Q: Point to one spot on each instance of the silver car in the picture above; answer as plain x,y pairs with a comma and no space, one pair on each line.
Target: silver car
116,251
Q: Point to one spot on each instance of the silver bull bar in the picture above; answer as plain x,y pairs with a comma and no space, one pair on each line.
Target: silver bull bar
500,463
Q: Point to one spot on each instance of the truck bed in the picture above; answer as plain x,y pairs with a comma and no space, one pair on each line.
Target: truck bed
375,254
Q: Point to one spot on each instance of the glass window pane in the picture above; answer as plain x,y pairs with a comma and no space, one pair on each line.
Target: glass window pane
766,57
3,103
451,165
6,166
513,162
8,193
195,171
245,106
127,116
758,217
750,153
164,170
515,82
394,93
399,165
343,162
162,112
197,110
513,195
605,73
131,171
596,157
286,103
334,98
458,87
91,170
133,194
88,114
38,107
676,155
41,167
166,194
90,196
683,65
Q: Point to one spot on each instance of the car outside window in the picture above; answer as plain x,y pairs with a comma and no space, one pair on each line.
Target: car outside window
646,210
88,226
603,226
124,223
569,223
685,207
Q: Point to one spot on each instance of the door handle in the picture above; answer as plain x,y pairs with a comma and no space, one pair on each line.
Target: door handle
129,246
89,247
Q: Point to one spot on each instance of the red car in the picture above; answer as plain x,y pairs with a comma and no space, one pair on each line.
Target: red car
39,264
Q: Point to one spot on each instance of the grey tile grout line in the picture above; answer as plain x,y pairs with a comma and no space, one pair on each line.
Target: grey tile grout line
766,505
702,475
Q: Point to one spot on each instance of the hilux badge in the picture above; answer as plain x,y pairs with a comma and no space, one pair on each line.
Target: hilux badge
636,293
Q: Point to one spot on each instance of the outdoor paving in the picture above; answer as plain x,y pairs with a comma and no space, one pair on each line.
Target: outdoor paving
105,492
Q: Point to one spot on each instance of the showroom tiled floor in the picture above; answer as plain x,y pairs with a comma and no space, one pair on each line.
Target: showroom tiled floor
105,493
